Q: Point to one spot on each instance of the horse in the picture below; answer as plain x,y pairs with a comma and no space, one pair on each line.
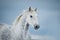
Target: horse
19,29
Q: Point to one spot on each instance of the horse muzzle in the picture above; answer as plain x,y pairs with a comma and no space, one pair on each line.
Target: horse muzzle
36,27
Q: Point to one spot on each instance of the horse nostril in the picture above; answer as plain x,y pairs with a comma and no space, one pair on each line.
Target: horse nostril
37,26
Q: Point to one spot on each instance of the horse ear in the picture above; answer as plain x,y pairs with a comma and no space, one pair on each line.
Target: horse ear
29,8
35,9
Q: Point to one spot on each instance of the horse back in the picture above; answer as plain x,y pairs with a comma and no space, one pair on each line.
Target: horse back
4,32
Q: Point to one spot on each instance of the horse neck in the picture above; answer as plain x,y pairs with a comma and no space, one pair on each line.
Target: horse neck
17,30
20,26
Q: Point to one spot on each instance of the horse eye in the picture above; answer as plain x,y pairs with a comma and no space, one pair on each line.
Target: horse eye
31,16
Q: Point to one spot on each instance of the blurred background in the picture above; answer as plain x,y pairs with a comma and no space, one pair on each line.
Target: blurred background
48,14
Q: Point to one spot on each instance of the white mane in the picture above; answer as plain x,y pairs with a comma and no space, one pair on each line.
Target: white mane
17,20
19,17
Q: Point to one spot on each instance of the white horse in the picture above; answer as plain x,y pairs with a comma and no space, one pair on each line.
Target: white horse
19,29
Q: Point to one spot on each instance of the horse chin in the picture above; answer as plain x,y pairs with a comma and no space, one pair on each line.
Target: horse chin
36,28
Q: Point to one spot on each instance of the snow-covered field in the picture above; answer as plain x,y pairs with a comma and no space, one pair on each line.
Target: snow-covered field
44,37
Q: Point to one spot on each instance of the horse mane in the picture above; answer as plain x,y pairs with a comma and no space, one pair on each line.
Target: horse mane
17,20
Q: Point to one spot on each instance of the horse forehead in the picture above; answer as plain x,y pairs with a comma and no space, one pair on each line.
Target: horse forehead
34,14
